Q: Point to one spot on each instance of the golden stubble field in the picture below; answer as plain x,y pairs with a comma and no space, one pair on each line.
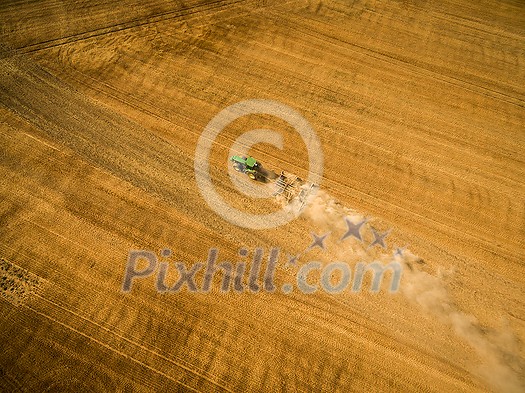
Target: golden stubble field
419,108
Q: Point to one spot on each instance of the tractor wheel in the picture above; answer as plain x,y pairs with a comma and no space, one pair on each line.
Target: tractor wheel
237,167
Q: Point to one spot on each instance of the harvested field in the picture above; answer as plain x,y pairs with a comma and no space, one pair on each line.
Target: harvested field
419,109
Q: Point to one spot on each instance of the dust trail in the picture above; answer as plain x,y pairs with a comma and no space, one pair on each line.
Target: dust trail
328,214
324,210
501,366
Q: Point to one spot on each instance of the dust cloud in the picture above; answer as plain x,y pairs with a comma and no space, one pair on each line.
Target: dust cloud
501,365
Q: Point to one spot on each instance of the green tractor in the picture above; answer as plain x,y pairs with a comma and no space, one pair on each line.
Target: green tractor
288,187
250,166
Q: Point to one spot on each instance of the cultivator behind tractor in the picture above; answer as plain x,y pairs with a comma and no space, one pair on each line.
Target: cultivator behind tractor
288,187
